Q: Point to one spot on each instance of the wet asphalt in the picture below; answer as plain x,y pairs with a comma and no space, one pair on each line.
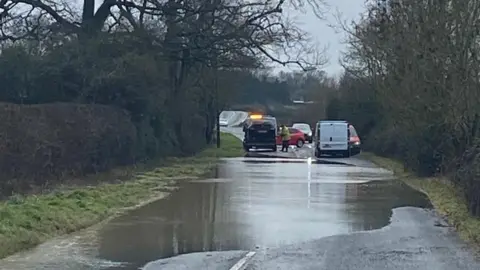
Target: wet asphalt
293,211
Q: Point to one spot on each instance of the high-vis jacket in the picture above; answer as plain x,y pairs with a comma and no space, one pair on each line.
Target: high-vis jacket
285,134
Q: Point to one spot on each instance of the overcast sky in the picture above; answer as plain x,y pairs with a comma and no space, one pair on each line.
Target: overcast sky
325,35
321,32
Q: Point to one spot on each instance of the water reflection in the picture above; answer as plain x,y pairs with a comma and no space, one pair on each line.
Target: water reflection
185,222
263,205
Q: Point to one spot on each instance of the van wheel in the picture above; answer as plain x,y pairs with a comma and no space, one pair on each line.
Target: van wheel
247,149
274,148
300,143
317,153
346,154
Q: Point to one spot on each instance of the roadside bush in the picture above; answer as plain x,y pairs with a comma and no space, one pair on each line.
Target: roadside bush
40,144
382,140
135,113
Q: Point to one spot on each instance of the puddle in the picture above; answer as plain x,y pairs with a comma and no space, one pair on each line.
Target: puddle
253,205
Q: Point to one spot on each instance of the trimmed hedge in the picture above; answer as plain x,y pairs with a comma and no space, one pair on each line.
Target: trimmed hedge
40,144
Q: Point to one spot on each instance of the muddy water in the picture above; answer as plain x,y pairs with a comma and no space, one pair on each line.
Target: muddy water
252,203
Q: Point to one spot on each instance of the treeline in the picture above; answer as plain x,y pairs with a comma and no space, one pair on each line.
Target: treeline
264,88
274,94
412,87
87,89
257,89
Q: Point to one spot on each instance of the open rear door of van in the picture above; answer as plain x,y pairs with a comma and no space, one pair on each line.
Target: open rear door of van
333,136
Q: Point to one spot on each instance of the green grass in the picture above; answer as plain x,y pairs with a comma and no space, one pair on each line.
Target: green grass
447,199
28,221
231,146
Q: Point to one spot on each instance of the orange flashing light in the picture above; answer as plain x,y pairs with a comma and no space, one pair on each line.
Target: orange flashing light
256,116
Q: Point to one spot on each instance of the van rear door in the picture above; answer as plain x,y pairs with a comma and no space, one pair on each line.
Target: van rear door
333,136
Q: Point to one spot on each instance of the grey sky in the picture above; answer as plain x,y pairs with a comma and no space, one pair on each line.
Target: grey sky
325,35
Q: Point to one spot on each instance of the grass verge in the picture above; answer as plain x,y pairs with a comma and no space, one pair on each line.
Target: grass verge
445,197
28,221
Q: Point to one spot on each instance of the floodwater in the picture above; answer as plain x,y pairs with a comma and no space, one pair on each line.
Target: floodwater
251,204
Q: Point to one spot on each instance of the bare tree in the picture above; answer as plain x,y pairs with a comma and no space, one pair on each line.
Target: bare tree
249,28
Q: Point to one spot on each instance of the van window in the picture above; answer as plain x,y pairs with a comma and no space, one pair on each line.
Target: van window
262,125
353,132
271,120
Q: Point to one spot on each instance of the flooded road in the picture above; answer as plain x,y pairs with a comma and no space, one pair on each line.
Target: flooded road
253,204
250,204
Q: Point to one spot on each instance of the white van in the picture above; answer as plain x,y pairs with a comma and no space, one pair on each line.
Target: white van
332,138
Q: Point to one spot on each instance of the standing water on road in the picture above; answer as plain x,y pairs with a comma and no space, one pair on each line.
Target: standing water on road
253,203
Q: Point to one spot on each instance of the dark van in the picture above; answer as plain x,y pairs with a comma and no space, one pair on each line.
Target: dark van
260,133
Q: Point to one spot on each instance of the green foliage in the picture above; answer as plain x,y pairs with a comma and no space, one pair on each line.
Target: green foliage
118,71
41,143
230,147
28,221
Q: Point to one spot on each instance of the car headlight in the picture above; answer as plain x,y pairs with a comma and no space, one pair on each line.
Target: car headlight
309,134
356,143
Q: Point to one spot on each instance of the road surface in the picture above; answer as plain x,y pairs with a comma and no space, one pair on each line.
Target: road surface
289,212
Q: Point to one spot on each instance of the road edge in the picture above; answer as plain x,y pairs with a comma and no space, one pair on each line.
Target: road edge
446,199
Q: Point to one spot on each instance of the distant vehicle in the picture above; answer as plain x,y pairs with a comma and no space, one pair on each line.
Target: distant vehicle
260,132
223,122
306,129
332,138
297,137
336,137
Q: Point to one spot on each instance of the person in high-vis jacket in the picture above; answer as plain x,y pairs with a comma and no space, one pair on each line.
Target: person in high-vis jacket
285,135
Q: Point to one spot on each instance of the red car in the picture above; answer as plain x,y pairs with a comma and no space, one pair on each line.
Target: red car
354,142
296,138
